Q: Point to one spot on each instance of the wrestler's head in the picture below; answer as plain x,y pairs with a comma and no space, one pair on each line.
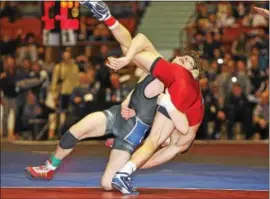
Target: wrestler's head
185,61
190,61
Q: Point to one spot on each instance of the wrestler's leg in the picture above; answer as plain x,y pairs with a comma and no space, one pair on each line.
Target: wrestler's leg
123,37
93,125
161,130
164,154
118,158
120,33
179,143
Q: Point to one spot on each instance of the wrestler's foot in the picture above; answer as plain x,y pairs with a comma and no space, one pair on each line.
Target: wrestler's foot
44,172
99,9
123,183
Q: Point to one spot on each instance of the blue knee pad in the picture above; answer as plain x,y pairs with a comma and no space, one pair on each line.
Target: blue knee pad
68,141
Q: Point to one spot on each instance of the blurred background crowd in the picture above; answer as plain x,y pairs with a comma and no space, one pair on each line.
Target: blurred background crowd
47,88
236,87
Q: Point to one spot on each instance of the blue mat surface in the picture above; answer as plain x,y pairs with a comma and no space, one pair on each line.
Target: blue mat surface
87,171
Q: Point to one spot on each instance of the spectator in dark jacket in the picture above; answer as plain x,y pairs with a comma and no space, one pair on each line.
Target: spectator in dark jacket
209,46
261,116
103,72
237,109
31,110
256,75
210,105
8,86
39,82
242,77
22,74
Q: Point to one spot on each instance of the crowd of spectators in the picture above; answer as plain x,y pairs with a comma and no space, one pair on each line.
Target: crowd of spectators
237,71
74,86
35,86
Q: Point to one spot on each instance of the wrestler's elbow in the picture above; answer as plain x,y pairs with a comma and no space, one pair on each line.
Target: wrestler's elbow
186,131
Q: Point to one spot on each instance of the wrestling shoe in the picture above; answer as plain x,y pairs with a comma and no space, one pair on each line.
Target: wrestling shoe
99,9
43,172
109,142
123,183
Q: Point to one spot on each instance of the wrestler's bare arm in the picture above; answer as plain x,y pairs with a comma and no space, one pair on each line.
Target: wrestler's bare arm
180,121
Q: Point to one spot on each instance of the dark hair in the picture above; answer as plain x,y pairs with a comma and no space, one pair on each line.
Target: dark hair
197,61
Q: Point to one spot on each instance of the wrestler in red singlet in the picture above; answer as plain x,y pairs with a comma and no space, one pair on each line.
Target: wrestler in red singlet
183,88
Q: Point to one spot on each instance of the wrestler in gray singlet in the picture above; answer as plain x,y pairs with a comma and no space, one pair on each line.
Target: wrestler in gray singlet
129,133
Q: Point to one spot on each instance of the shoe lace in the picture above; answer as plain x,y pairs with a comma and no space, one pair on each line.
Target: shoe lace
43,168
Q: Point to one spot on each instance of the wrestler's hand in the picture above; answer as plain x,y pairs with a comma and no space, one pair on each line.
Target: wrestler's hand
162,98
127,112
262,11
117,63
165,101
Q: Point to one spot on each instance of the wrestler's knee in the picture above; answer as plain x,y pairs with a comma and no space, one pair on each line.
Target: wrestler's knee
76,131
68,140
71,137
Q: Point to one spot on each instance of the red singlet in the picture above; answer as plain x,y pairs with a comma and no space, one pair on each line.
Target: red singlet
183,88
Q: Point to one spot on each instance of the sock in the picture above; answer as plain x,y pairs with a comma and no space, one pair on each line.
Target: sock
111,22
129,168
55,162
